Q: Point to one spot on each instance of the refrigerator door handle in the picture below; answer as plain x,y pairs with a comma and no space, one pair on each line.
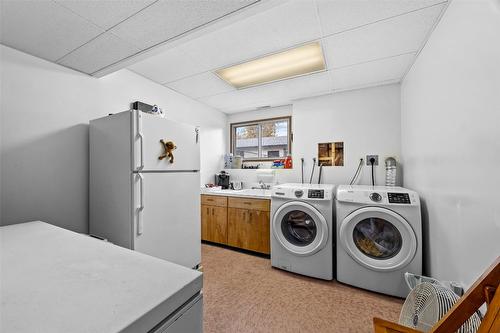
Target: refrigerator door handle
140,222
141,138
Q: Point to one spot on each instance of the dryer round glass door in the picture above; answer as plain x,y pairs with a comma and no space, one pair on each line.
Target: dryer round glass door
300,228
378,238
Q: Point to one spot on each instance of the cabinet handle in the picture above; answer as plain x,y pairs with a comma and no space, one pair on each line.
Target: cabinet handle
209,199
247,203
212,212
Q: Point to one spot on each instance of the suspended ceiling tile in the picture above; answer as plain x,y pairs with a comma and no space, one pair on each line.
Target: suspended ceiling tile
399,35
280,92
99,53
280,27
105,13
167,19
342,15
273,30
43,29
378,71
168,66
200,85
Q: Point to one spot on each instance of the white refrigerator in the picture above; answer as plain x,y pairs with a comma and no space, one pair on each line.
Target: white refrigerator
137,200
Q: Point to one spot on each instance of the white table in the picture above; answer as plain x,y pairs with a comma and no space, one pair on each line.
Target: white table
54,280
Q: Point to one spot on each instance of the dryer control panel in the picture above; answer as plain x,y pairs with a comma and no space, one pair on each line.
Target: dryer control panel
377,195
398,198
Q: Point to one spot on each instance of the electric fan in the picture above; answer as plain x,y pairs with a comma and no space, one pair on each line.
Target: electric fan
427,303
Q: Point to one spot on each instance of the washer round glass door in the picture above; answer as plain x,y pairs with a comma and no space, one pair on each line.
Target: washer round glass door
300,228
378,238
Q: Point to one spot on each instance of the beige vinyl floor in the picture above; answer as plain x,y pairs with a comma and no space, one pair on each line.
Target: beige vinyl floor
242,293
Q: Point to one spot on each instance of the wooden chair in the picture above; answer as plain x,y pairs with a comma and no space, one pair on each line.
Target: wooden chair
484,290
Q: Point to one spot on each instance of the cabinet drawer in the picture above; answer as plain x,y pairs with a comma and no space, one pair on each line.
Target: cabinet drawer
213,200
256,204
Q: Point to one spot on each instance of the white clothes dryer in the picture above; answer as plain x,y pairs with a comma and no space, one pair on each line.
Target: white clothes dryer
302,228
379,237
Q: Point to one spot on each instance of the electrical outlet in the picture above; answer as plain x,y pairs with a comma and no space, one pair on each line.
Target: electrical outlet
368,157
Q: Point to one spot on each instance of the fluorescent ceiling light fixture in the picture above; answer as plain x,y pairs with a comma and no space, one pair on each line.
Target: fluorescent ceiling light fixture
305,59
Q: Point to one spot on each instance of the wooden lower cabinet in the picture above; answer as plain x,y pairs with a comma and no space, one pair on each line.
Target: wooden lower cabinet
237,222
214,224
248,229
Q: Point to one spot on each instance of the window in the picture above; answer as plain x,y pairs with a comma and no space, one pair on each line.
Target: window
265,139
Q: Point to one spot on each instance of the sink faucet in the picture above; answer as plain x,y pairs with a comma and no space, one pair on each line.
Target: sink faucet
261,186
264,186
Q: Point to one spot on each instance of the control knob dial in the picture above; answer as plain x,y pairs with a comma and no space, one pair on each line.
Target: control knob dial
375,197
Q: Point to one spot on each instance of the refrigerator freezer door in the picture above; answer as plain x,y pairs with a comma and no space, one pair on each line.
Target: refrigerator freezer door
167,216
148,130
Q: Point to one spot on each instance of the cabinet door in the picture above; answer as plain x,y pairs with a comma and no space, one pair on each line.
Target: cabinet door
218,225
248,229
205,222
214,224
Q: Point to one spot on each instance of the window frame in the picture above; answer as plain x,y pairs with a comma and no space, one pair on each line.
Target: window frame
259,122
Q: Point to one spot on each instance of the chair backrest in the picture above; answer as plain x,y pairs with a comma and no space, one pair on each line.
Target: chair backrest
484,290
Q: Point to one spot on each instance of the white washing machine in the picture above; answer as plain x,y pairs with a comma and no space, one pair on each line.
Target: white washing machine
379,237
302,226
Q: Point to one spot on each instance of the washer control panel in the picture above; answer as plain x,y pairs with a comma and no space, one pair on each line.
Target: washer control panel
305,192
398,198
316,194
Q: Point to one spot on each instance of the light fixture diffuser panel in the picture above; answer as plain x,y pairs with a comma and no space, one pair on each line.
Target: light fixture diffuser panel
305,59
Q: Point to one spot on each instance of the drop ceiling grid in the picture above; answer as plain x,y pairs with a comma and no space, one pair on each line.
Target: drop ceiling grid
369,73
399,35
105,48
282,20
340,16
271,93
105,14
290,24
326,59
445,4
363,41
413,26
64,31
89,58
159,21
202,85
164,20
43,28
215,57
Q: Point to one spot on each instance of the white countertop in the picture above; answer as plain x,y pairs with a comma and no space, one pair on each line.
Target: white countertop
245,193
55,280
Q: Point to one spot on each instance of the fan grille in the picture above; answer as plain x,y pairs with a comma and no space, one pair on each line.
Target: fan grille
427,303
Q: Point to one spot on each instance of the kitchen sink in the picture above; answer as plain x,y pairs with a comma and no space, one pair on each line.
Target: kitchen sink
249,191
255,191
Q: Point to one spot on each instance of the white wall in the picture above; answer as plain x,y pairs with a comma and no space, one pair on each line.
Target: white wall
366,120
45,110
451,139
